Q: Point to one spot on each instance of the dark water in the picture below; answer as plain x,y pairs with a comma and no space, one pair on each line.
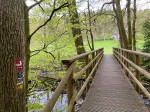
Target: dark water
146,102
42,98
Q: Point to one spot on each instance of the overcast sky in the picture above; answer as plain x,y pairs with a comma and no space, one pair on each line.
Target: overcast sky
97,4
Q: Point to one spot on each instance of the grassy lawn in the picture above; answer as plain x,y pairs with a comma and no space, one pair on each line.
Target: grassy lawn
107,45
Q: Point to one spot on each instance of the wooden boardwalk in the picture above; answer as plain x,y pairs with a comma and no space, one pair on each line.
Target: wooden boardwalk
111,91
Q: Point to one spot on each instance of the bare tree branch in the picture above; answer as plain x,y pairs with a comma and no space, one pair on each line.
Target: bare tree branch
50,54
88,40
107,3
37,3
50,17
35,52
101,11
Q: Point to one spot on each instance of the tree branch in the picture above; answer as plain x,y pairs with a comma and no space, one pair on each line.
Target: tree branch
37,3
50,17
100,13
107,3
50,53
35,52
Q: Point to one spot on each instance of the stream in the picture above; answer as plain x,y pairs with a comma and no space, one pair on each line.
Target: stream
42,98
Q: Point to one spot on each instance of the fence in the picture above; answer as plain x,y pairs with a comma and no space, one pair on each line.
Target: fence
123,56
91,60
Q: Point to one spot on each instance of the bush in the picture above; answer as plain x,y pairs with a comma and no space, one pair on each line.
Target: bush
146,46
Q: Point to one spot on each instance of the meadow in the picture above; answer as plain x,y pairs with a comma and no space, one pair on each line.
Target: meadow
109,44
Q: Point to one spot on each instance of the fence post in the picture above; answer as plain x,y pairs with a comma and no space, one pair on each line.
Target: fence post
70,87
121,53
137,61
126,63
87,72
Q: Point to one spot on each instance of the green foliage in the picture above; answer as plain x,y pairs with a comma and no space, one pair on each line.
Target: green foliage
143,78
146,46
35,106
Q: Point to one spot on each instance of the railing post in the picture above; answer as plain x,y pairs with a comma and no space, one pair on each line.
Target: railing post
70,87
137,61
87,72
126,63
121,53
93,55
113,51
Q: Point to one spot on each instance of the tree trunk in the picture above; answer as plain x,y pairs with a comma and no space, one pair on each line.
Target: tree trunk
120,23
27,51
12,51
129,25
133,26
76,31
90,24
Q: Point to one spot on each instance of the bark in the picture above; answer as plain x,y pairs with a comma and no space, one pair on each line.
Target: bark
76,31
27,50
133,26
120,23
129,25
12,48
88,40
90,24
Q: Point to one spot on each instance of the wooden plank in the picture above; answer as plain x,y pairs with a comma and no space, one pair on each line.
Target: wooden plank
111,91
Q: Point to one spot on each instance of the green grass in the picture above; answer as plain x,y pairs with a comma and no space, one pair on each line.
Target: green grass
107,45
139,45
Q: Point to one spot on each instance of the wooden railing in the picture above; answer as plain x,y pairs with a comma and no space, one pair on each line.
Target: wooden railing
128,59
70,78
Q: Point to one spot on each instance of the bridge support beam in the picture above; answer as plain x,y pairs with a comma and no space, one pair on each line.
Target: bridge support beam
137,61
70,87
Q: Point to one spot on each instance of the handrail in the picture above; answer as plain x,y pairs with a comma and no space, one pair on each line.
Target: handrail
122,55
144,72
58,90
69,77
78,75
136,52
70,60
76,96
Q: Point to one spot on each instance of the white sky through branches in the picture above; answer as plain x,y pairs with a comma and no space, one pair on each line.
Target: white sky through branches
97,4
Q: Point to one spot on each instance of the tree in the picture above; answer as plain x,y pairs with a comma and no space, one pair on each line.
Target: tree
146,46
76,31
129,24
120,23
88,23
118,16
12,51
29,36
133,26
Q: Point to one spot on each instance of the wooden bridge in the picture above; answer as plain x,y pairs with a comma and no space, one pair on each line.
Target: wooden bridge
111,89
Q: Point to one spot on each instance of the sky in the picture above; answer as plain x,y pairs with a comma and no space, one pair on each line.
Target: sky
97,4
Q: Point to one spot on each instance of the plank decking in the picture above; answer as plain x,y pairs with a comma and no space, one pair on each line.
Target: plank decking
111,91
